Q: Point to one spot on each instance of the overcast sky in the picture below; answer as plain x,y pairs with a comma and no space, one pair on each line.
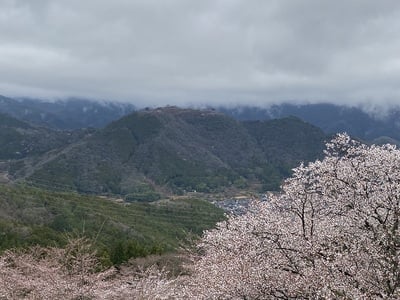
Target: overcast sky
178,52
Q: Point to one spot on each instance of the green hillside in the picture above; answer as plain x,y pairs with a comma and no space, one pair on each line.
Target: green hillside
31,216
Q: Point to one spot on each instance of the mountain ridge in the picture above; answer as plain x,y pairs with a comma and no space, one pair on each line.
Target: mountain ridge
371,125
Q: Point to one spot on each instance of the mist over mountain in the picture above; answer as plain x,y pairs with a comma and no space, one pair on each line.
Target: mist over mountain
370,124
65,114
330,118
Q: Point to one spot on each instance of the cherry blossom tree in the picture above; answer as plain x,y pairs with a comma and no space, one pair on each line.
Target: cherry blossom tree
72,273
333,233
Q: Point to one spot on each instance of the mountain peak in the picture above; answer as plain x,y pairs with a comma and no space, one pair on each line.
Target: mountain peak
175,110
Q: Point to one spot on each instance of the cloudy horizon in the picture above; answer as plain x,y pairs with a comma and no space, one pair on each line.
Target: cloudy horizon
218,52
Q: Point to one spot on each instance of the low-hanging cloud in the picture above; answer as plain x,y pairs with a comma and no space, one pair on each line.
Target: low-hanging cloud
202,52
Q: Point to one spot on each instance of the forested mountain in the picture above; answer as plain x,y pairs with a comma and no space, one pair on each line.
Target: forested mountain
66,114
176,150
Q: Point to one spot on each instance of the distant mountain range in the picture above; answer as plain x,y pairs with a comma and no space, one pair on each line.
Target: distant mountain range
330,118
67,114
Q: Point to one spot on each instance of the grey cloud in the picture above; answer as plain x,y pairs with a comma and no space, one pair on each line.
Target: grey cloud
196,52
